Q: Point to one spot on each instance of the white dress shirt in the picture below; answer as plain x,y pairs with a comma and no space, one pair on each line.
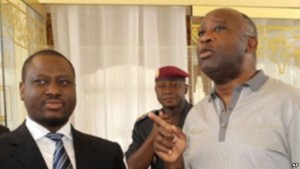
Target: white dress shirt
46,145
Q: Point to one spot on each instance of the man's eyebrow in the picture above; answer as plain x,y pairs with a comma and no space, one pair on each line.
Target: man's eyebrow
216,20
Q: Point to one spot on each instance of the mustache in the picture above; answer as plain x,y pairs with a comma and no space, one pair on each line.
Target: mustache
52,100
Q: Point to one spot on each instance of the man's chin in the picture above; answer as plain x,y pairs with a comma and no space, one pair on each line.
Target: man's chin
54,122
169,105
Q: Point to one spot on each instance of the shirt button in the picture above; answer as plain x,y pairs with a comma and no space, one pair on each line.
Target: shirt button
223,124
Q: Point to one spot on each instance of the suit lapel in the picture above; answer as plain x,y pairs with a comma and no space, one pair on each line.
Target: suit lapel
26,151
83,151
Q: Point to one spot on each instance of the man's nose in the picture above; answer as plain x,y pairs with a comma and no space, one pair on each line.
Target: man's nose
53,89
206,38
168,89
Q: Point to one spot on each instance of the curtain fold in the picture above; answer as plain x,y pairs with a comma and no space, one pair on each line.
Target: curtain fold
116,51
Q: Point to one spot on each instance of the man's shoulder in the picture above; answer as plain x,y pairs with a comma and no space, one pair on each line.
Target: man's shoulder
144,118
4,138
16,135
92,139
8,142
92,143
3,129
276,86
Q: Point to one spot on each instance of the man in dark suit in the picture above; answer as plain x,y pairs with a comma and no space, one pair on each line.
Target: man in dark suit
48,91
3,129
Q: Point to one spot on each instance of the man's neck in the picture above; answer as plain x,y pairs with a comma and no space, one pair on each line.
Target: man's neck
176,111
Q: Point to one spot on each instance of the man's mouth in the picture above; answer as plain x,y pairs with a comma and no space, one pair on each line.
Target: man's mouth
53,104
205,53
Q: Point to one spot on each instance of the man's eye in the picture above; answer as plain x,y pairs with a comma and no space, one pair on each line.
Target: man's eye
64,82
201,33
162,86
219,28
174,86
40,82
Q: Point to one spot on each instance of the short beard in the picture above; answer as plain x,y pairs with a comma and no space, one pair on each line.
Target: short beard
53,122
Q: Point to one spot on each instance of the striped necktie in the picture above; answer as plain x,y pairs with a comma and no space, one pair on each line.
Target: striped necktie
60,158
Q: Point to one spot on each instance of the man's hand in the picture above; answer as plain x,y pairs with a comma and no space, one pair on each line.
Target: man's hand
170,142
154,131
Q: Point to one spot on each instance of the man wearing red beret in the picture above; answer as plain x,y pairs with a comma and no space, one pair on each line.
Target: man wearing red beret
170,88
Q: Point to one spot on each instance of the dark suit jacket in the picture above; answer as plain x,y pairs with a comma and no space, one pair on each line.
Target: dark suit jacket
18,150
3,129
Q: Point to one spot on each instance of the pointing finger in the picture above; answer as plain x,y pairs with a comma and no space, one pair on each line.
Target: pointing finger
159,121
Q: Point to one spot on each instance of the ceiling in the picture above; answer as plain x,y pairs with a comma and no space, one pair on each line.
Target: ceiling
289,9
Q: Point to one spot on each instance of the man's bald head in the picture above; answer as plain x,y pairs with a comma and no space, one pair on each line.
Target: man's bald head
249,27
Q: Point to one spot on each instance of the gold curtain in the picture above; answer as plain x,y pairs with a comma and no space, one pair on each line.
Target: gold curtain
23,31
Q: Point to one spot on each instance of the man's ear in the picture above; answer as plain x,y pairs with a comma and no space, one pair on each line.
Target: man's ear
252,43
186,88
21,90
155,88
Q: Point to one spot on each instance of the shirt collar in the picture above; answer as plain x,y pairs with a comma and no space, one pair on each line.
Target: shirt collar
257,80
254,83
38,131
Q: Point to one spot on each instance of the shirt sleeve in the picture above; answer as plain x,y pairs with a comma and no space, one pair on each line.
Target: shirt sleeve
294,138
187,150
185,155
138,138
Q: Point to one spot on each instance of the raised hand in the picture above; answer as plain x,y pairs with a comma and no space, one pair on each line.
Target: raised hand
170,142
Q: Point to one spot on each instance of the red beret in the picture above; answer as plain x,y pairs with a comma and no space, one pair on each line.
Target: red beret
170,72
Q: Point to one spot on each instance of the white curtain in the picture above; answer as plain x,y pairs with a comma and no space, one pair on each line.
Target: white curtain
116,51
